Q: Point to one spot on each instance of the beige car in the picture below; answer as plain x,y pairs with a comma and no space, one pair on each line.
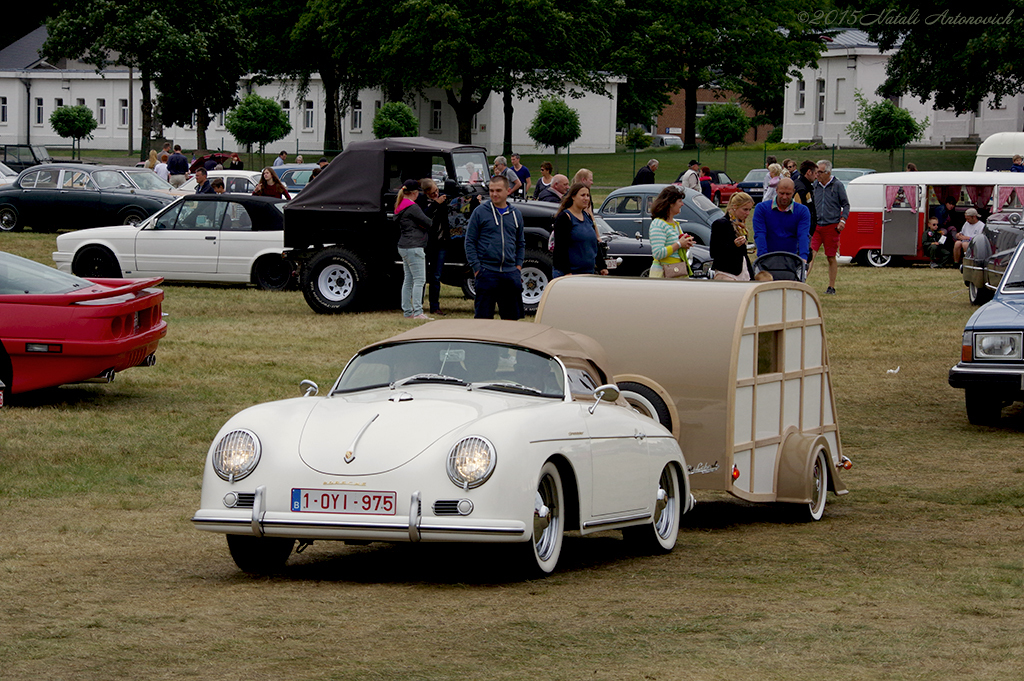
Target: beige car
739,372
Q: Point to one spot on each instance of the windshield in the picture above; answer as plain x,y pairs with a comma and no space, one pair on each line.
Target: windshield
487,365
1013,278
4,170
756,175
147,179
41,153
708,207
471,167
20,275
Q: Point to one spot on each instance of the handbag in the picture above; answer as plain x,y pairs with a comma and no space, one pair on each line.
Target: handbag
678,270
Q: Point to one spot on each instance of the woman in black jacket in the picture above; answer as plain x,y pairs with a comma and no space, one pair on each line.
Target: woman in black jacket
729,240
414,230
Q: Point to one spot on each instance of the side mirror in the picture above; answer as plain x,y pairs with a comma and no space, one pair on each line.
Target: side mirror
309,388
639,236
606,393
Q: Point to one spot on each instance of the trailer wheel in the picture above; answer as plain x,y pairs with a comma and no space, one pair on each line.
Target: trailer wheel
815,509
334,280
646,401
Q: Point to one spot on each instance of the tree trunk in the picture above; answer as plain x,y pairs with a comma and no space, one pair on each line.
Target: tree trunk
332,131
147,112
690,133
506,98
467,108
202,123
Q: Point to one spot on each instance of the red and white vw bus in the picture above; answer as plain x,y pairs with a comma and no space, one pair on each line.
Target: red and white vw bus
888,211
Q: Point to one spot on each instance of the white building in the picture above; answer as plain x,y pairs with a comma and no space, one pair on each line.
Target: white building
31,88
820,104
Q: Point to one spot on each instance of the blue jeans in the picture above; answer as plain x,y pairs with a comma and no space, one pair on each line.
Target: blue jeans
504,289
414,263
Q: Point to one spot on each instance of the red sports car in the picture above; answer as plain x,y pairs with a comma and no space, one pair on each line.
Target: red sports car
722,186
56,328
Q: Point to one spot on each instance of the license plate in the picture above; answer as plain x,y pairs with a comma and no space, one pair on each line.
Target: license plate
610,263
343,501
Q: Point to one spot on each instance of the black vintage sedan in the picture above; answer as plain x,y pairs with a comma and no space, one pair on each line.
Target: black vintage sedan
988,254
56,195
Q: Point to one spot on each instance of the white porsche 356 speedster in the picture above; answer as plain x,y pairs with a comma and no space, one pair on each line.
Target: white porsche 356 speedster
456,431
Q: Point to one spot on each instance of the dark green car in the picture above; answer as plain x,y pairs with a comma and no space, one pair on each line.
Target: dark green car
56,196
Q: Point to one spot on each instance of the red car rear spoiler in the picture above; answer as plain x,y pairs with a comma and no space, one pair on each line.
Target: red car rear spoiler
118,287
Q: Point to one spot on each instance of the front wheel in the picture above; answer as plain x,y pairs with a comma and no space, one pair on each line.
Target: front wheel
9,219
874,258
97,262
978,296
259,555
660,536
540,554
334,280
718,198
983,407
272,273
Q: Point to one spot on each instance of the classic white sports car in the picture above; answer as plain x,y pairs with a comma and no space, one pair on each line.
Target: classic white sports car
227,238
456,431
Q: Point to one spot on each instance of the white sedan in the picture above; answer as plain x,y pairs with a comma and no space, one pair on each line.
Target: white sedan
456,431
226,238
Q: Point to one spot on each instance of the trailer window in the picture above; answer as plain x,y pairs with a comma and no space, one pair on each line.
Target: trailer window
768,345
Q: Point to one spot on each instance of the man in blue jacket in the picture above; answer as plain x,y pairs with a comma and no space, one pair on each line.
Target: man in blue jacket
495,249
781,224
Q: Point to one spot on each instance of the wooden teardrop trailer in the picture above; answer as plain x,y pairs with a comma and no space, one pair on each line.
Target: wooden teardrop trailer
738,371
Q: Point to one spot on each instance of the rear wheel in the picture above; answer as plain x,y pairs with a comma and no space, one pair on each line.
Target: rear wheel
272,273
535,275
540,554
718,198
96,261
646,401
334,281
815,508
660,536
259,555
983,407
978,296
9,219
874,258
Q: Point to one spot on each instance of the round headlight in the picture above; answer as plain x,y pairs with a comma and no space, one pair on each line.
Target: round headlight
236,455
471,461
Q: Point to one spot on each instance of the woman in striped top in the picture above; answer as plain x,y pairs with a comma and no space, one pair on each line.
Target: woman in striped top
668,242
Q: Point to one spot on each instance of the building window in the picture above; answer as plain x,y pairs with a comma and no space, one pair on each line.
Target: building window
801,95
3,109
307,120
39,110
435,115
58,103
124,112
357,115
101,111
220,120
840,86
821,100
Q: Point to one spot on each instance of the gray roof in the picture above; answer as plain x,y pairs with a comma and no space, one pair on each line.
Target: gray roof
850,38
23,53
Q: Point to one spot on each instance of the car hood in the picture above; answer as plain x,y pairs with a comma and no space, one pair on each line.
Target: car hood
377,433
1004,312
94,233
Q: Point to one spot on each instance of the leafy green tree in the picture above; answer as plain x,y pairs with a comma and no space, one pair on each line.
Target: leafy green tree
257,120
76,122
108,33
555,125
395,119
940,55
722,125
636,138
883,126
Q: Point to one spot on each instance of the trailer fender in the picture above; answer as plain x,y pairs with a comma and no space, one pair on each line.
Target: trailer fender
651,384
796,462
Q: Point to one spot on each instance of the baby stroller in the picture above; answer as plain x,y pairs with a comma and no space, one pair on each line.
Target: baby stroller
782,265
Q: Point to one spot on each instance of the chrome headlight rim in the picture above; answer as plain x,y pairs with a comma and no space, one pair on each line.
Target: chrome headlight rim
245,468
457,450
1016,339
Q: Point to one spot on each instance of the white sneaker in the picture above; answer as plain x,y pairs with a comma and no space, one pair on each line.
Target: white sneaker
423,317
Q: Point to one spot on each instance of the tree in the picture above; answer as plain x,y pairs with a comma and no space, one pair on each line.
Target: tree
722,125
257,120
107,32
76,122
555,125
933,47
395,119
636,138
883,126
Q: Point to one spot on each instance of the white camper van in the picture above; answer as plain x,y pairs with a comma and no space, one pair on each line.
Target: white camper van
997,152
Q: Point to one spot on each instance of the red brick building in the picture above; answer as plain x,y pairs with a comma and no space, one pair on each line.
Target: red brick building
672,120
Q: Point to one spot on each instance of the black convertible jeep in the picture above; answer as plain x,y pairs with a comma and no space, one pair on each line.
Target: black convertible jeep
340,234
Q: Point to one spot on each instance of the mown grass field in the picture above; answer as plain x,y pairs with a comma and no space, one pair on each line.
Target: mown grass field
918,573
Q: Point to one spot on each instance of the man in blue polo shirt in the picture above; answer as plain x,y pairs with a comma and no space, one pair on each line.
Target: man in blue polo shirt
781,224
